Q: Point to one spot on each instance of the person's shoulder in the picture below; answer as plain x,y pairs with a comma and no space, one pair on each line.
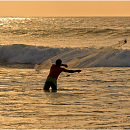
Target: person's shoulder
53,65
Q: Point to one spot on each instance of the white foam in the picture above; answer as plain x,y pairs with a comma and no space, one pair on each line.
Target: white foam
75,57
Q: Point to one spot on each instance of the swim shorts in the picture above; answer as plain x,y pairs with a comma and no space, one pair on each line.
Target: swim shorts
50,82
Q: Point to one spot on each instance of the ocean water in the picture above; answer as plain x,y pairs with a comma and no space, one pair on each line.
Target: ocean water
96,98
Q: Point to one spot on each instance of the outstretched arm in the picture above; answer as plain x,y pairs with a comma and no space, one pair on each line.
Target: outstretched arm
71,71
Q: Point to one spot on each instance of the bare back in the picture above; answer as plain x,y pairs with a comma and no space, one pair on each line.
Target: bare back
55,71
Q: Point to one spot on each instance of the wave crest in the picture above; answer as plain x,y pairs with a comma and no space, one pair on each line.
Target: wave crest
87,57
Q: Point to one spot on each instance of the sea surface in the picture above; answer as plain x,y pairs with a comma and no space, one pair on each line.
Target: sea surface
96,98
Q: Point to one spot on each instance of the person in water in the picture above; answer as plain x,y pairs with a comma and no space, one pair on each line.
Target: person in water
55,71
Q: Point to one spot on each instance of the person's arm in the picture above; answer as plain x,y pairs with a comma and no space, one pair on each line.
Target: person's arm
71,71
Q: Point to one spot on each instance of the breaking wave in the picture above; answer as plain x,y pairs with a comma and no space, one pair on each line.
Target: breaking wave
74,57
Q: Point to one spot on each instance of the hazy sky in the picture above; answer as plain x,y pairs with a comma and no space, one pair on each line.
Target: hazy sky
64,8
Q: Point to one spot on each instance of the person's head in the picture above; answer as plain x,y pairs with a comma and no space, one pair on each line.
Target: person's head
58,62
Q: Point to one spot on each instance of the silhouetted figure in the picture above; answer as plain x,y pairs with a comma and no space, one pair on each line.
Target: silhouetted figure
55,71
125,41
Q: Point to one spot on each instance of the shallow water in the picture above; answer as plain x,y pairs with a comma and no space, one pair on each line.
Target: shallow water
98,97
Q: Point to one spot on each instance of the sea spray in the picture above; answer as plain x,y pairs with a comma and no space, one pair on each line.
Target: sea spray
19,53
76,57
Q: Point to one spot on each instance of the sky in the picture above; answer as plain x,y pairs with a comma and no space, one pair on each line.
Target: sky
64,8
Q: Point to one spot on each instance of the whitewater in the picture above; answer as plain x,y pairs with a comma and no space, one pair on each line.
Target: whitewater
104,57
96,98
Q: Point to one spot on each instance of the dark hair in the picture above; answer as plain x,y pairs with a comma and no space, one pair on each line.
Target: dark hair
58,62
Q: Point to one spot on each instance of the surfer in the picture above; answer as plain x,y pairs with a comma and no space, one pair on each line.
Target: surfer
55,71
